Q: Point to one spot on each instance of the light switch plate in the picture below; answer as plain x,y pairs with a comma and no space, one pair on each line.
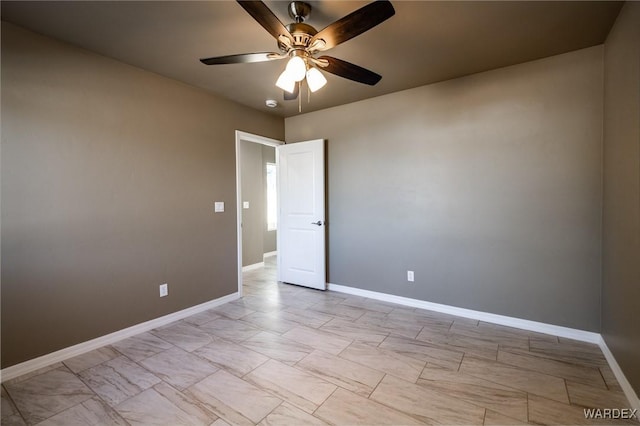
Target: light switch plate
218,206
245,204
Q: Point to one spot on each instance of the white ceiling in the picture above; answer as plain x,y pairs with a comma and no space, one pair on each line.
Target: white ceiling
425,42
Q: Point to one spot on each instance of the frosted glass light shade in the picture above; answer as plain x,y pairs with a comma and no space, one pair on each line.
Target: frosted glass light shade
285,82
315,79
296,67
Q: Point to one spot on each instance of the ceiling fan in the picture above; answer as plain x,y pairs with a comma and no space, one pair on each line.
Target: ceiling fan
301,43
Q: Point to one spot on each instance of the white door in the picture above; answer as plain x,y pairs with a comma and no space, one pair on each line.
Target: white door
301,221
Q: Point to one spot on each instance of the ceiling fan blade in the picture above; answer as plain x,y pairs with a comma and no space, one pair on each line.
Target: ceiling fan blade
243,58
292,96
354,24
265,17
351,71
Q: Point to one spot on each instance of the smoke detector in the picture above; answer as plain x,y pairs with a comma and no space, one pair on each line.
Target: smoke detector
271,103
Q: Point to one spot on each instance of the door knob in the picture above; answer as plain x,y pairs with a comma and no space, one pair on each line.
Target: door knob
319,223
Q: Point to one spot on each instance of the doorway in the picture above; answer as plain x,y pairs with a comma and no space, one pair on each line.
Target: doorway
257,225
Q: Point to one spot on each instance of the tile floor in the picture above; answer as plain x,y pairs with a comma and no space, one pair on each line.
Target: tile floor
285,355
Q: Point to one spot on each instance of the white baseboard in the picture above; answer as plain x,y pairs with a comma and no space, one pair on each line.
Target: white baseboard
252,267
269,254
75,350
539,327
585,336
622,379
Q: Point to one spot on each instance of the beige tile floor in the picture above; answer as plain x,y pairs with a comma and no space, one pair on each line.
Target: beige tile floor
286,355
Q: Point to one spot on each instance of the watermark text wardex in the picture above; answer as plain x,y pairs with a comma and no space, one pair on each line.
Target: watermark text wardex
610,413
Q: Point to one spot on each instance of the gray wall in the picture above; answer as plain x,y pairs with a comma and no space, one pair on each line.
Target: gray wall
488,187
621,221
268,156
253,218
256,240
109,174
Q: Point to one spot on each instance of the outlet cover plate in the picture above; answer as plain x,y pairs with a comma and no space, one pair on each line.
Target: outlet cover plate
164,290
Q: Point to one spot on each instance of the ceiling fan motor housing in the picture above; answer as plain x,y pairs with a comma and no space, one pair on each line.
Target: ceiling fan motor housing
301,33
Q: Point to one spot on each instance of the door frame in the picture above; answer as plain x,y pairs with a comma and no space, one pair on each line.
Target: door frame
246,137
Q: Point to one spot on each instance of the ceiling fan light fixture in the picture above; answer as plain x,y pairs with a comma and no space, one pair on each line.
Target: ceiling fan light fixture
315,79
296,68
300,42
286,82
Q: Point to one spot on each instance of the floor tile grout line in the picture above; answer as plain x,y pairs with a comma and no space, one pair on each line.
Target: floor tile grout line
542,372
461,361
414,416
326,399
604,380
6,391
376,387
557,375
95,394
472,402
270,412
502,384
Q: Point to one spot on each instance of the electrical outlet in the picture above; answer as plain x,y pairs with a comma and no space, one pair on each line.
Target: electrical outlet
164,290
410,276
